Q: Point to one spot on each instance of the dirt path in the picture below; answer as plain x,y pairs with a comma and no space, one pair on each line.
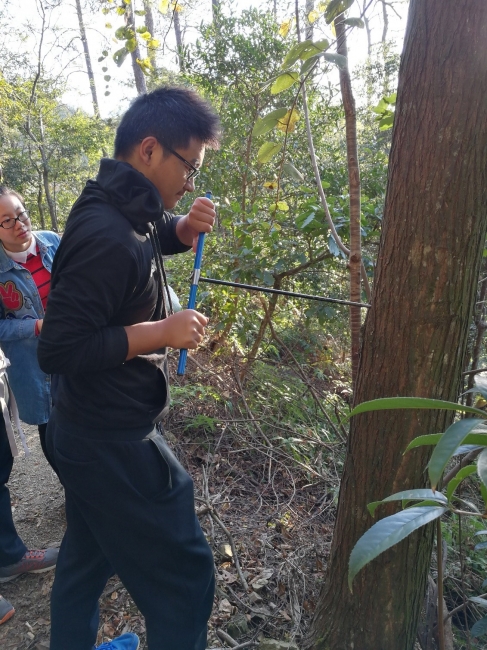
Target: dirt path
279,521
38,502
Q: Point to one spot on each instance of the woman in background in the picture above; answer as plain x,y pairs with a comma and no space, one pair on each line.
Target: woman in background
25,277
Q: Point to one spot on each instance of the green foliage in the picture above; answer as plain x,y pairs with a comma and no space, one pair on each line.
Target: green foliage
433,503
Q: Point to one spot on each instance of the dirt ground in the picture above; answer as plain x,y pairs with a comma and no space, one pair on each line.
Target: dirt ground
267,520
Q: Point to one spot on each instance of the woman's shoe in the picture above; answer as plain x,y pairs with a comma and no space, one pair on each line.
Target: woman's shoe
6,610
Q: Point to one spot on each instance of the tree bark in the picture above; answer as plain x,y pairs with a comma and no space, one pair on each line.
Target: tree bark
149,23
355,257
179,40
89,67
139,77
415,334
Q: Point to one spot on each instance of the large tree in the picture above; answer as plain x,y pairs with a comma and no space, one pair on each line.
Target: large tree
416,331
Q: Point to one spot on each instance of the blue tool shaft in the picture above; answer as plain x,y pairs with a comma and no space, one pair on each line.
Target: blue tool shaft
183,354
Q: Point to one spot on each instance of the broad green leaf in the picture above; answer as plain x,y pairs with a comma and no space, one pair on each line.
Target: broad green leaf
354,22
481,532
268,122
481,602
123,32
456,480
290,170
267,151
294,53
421,441
479,628
120,55
444,450
131,44
481,385
480,546
471,442
483,492
335,8
283,82
312,49
387,533
307,65
482,466
387,403
409,495
338,59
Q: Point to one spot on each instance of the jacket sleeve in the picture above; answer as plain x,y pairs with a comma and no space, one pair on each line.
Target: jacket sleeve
169,241
14,329
89,284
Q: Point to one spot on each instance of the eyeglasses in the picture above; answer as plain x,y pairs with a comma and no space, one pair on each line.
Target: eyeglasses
194,170
10,223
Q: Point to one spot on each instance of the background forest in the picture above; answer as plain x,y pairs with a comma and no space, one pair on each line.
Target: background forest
306,91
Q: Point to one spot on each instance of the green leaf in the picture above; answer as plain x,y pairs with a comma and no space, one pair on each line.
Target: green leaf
268,122
482,466
123,32
387,533
290,170
120,55
479,628
303,51
354,22
410,495
444,450
480,385
307,65
283,82
481,602
335,8
267,151
293,55
387,403
456,480
480,546
338,59
131,44
421,441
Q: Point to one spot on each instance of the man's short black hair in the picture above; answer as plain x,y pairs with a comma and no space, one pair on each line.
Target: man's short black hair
171,114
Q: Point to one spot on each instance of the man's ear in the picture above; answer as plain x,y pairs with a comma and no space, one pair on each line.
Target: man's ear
146,149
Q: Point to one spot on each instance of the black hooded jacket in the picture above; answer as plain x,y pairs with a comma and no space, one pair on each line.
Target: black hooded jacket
104,278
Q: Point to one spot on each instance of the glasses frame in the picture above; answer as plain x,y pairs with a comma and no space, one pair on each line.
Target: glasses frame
22,217
194,170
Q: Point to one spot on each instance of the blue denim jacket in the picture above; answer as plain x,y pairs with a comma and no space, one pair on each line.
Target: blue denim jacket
20,307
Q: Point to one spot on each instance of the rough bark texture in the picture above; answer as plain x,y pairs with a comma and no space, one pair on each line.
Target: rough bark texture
416,331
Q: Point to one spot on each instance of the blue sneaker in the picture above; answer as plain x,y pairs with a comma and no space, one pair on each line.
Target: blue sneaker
125,642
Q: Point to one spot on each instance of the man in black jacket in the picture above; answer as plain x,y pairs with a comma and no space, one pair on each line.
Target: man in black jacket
129,503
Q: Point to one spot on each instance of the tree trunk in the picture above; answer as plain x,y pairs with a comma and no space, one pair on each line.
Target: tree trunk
149,23
310,5
416,331
355,258
139,77
179,40
89,68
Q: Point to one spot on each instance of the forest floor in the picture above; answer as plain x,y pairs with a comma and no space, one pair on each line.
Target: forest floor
267,515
